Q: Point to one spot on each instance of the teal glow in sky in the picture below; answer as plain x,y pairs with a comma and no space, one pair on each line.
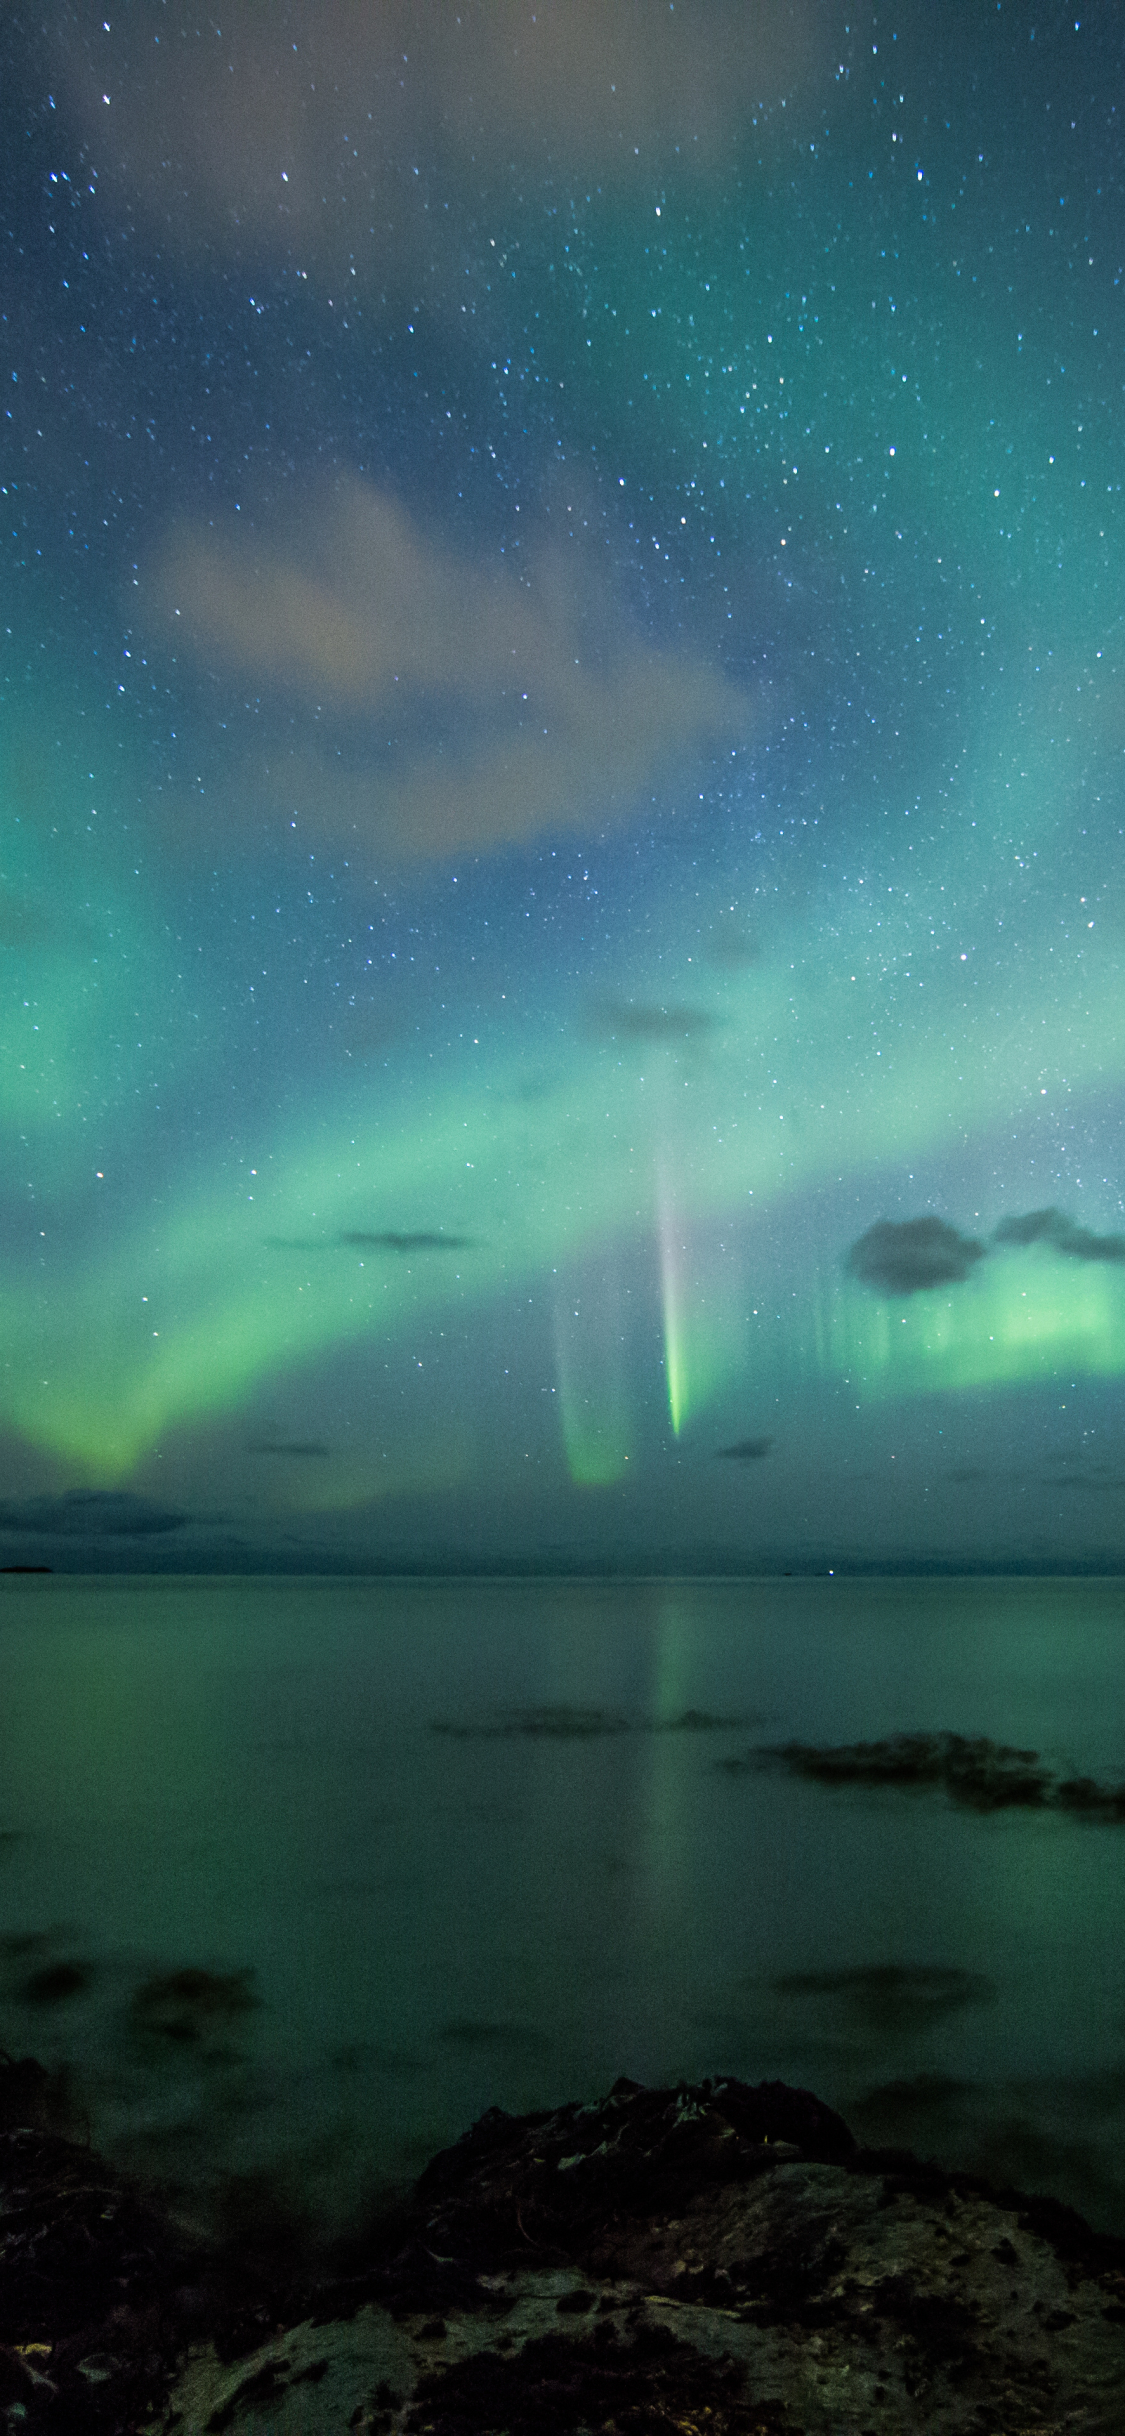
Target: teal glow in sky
562,764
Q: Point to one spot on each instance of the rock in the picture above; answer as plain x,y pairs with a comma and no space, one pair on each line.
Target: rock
974,1772
717,2258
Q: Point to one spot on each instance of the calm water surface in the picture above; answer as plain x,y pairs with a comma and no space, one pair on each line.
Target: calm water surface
448,1845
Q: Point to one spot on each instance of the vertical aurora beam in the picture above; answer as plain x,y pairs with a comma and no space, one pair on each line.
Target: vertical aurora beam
702,1306
672,1300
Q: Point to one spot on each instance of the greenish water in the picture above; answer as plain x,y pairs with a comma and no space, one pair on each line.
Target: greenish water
447,1845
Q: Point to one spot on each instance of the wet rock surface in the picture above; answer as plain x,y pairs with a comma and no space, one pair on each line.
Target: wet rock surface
715,2258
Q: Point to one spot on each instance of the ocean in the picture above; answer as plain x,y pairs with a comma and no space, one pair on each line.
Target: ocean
298,1876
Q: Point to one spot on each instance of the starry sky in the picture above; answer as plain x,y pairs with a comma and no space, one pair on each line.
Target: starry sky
562,785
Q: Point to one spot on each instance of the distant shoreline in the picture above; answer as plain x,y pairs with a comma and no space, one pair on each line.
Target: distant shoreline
498,1569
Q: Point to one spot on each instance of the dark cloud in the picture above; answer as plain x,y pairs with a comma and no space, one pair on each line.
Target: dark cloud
88,1513
909,1255
1054,1227
746,1450
375,1239
387,1240
614,1019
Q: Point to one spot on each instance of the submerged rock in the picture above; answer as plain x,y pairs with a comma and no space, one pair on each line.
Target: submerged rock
185,2005
973,1771
718,2257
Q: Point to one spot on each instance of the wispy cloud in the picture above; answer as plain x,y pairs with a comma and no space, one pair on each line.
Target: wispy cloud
619,1019
289,130
386,1240
507,704
375,1239
746,1450
1055,1228
89,1514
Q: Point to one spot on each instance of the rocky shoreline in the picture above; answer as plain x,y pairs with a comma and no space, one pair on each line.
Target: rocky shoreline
720,2260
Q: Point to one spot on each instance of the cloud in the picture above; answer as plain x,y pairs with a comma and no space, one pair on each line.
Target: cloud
507,704
88,1513
910,1255
614,1018
351,605
387,1241
294,132
918,1253
1054,1227
746,1450
376,1239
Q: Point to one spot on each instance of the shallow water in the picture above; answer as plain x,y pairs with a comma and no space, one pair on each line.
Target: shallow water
446,1845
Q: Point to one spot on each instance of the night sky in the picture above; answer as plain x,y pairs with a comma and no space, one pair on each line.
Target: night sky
562,778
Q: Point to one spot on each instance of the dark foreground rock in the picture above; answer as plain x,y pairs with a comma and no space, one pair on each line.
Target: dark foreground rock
718,2260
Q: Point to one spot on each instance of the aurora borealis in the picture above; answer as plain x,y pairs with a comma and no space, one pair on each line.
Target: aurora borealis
562,761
